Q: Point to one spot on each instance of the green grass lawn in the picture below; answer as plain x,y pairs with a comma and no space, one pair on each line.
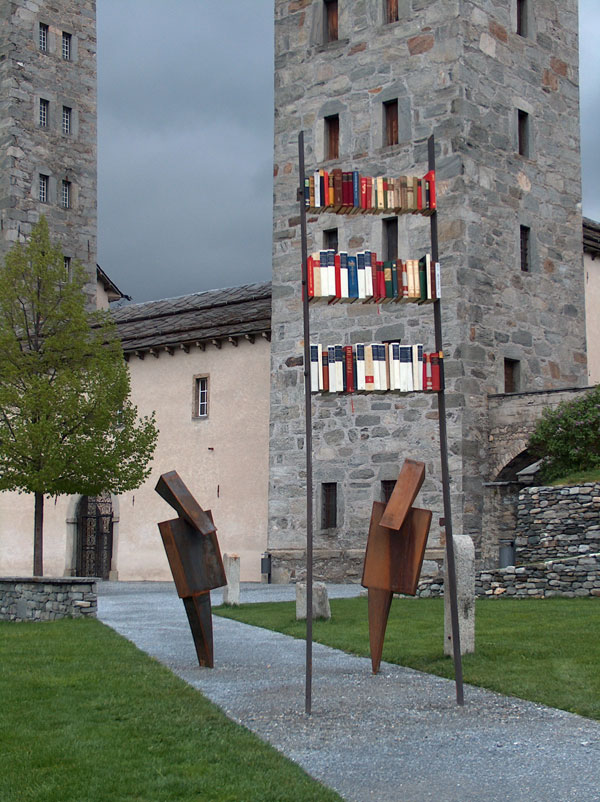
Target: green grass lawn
87,717
544,650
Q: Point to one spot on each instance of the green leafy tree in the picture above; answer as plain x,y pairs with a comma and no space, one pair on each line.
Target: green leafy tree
567,437
67,424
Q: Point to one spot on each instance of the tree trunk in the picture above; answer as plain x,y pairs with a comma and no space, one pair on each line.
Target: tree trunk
38,535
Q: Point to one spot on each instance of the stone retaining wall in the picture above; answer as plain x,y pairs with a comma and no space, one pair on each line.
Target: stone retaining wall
557,548
46,598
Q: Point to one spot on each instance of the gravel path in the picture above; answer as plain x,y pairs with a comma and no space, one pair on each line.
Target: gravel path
398,736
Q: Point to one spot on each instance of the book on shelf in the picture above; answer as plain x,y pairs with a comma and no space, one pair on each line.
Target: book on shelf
341,277
349,192
375,367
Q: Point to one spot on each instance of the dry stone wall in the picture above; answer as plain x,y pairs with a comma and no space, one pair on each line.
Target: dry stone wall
47,598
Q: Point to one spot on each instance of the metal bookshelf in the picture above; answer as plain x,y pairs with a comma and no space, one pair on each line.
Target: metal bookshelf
450,561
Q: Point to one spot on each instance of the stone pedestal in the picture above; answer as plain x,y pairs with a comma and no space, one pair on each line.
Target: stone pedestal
464,556
231,591
320,603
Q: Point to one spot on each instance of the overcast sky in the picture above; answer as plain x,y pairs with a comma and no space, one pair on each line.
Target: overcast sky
185,141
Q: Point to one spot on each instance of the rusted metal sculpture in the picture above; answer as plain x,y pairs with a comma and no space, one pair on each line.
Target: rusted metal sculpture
193,552
395,550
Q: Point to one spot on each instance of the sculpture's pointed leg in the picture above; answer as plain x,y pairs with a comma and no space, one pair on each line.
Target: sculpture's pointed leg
379,609
198,611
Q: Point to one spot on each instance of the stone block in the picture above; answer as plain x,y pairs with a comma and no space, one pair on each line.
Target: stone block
320,601
231,591
464,558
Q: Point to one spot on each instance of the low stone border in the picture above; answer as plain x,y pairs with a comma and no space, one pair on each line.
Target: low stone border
47,598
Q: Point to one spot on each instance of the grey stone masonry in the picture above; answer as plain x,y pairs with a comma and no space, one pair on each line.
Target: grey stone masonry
459,70
47,598
557,548
48,58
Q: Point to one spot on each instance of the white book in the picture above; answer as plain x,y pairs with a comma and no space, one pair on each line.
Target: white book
406,373
361,271
339,368
395,366
331,272
360,366
383,383
417,366
368,276
376,374
344,275
320,367
331,365
438,281
314,368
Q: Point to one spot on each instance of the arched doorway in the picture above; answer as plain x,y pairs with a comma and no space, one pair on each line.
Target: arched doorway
94,536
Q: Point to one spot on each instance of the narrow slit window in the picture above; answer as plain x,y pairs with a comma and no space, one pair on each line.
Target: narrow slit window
332,137
390,112
43,188
329,505
330,239
66,119
391,11
44,113
65,195
201,397
523,132
511,375
390,238
67,265
522,17
43,38
331,21
66,46
525,248
387,487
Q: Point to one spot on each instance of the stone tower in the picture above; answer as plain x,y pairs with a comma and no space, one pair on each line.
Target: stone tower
48,124
497,84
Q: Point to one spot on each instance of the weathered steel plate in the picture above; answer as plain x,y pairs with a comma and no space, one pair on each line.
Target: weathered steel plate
404,493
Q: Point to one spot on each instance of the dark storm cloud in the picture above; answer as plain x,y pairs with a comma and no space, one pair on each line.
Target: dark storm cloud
185,102
185,107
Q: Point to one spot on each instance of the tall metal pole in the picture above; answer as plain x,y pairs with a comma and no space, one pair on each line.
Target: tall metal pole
308,440
450,564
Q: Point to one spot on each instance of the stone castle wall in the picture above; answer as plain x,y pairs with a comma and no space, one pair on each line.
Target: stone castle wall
27,150
460,71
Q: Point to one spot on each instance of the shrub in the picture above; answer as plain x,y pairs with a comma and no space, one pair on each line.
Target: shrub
567,438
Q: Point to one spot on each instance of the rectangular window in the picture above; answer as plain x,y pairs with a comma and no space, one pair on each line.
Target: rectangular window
201,397
390,111
387,487
65,195
66,46
331,21
390,238
43,188
330,239
67,264
43,38
523,132
522,17
66,120
44,113
511,375
391,11
525,248
328,505
332,137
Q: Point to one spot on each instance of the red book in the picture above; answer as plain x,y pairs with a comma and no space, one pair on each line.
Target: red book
363,192
430,178
436,379
380,282
325,366
349,368
338,279
369,192
419,197
427,377
310,278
